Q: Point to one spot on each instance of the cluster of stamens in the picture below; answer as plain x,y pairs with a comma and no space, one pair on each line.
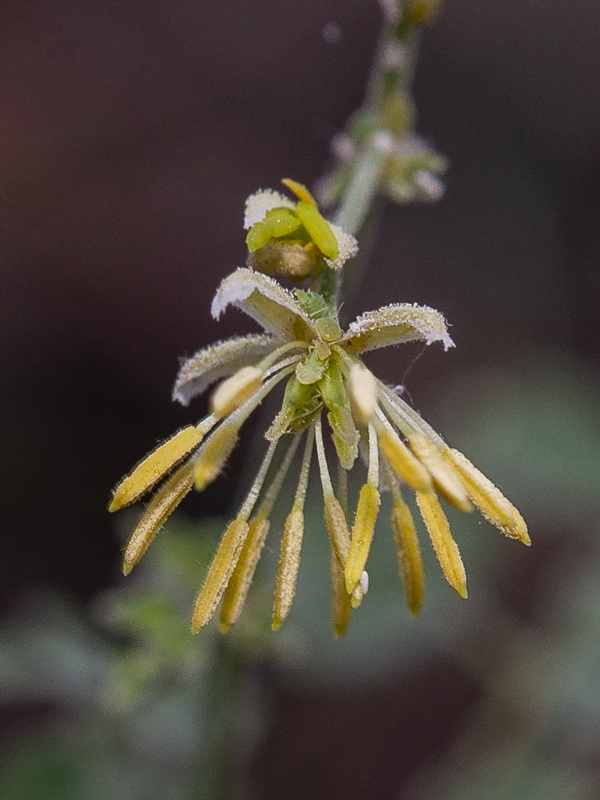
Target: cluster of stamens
329,396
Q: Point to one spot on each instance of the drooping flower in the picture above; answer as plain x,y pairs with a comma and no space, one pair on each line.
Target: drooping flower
328,393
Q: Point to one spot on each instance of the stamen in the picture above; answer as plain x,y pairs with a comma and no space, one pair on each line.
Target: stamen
402,461
233,391
291,543
234,597
323,470
406,418
241,578
219,572
155,466
214,453
366,516
268,361
281,364
373,471
335,519
216,450
252,497
287,570
157,511
410,560
341,604
272,492
444,545
445,478
489,499
363,393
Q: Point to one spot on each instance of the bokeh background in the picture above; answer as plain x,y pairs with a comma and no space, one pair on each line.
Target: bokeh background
130,135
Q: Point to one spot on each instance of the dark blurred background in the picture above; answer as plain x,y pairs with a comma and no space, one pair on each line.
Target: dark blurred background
130,135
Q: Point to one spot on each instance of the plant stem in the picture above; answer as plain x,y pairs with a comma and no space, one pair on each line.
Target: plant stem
391,73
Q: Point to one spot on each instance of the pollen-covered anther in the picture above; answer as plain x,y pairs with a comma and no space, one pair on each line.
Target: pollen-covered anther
237,589
445,478
157,511
402,461
213,455
362,535
410,560
337,528
363,393
232,392
444,545
289,563
489,499
219,573
154,467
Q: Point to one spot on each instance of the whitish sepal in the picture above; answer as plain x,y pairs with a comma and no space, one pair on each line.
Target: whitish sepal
218,361
267,302
396,324
347,247
259,203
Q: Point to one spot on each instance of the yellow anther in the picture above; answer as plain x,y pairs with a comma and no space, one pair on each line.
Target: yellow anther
444,545
214,454
489,499
362,535
402,461
219,573
154,467
363,393
445,478
410,560
232,392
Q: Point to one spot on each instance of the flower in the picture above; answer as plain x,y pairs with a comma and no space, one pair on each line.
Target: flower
329,393
293,238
